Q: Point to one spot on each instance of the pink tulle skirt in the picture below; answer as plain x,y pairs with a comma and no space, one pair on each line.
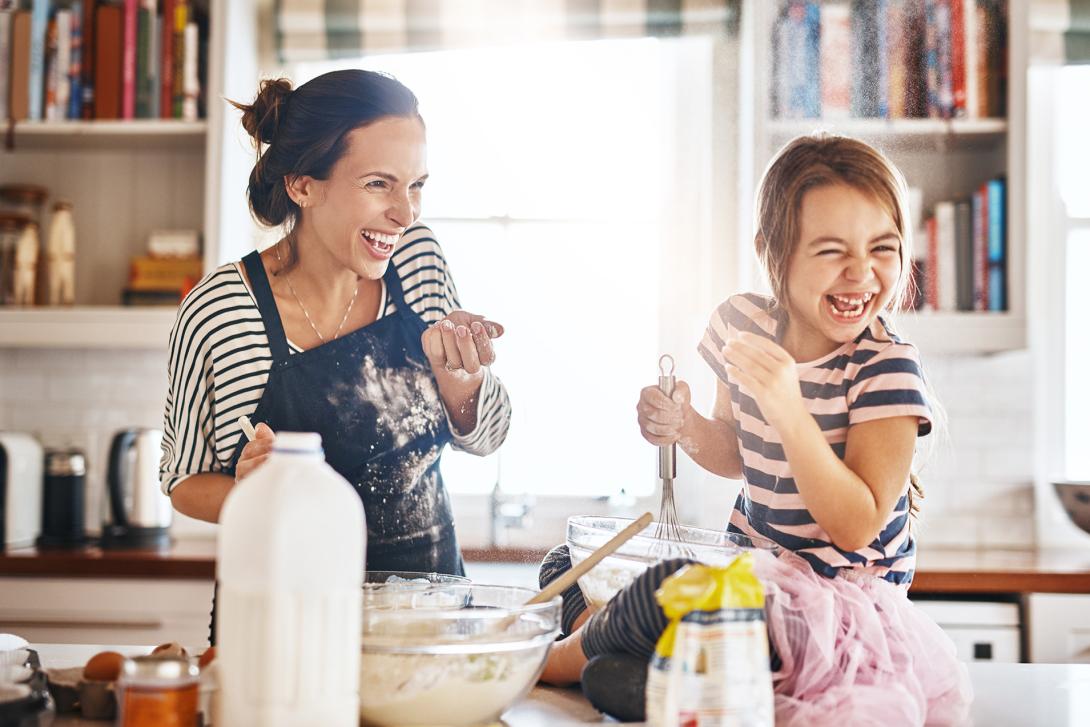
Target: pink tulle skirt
856,651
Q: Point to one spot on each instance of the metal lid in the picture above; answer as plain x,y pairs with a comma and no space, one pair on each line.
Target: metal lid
158,669
61,462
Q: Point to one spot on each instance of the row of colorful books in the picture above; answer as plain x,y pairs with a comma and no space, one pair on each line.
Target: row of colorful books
961,262
102,59
890,59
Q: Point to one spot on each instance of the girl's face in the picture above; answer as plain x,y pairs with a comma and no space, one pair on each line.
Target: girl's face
372,195
844,269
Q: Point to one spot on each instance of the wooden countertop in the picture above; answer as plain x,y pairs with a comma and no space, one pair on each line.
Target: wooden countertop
939,570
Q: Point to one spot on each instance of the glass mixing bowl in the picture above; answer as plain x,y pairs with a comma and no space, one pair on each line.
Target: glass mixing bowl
450,653
617,570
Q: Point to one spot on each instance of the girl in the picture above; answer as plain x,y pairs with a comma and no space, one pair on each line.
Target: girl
818,407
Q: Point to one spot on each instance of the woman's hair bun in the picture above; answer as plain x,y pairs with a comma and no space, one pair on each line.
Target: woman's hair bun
262,117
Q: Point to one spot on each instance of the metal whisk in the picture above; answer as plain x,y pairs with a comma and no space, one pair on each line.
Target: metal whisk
668,526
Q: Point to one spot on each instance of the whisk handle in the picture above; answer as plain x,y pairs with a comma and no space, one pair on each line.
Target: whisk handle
667,454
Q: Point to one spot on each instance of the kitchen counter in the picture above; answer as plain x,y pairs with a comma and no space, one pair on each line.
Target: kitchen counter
939,570
1057,695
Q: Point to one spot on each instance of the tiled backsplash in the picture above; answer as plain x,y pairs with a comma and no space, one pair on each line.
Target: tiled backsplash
978,484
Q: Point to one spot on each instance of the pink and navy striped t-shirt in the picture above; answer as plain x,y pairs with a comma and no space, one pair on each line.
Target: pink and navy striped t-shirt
875,376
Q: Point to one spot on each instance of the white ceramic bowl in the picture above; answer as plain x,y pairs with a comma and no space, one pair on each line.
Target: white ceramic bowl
450,653
587,533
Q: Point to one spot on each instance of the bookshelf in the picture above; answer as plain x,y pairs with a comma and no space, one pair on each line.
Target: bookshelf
944,158
128,177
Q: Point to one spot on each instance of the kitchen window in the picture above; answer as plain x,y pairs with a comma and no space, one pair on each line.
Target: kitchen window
572,188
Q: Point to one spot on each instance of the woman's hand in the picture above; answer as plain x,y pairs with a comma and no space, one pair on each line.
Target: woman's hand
663,417
255,452
768,373
460,345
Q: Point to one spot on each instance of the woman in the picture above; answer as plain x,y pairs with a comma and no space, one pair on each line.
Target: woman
322,333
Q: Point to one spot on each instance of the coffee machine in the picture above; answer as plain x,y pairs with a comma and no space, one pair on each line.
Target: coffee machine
136,514
20,489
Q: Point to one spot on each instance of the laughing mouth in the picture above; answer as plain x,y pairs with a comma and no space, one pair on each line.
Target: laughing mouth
380,241
848,305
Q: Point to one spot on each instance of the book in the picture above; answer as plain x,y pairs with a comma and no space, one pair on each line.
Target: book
971,42
109,35
947,273
19,102
5,59
75,66
63,64
836,65
39,23
980,248
957,56
797,45
931,279
963,243
191,79
128,60
870,66
143,61
151,273
49,97
997,244
87,62
166,61
177,92
154,59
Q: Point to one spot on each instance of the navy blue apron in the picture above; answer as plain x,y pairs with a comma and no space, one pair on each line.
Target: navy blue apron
372,396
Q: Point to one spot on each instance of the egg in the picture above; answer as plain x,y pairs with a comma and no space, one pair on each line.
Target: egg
172,648
207,657
104,666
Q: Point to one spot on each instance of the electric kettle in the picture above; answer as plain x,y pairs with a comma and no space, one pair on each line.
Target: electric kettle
136,514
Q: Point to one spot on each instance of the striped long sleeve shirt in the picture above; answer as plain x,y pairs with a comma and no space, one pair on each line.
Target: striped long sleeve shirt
219,362
873,377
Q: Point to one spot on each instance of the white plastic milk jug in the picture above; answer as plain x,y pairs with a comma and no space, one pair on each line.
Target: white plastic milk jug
290,571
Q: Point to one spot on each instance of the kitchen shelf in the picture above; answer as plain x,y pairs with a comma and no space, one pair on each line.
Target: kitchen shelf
964,332
49,135
101,327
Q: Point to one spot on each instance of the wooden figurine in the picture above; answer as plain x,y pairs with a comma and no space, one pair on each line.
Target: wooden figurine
60,257
26,263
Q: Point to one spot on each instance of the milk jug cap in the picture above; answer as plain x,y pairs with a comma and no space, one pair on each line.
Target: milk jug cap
298,442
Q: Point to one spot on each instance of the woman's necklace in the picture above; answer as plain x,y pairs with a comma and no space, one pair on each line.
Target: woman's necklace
304,308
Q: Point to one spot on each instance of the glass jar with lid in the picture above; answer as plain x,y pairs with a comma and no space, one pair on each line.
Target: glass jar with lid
23,199
12,225
158,690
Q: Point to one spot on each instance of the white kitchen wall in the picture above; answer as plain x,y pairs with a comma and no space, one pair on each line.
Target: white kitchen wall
978,484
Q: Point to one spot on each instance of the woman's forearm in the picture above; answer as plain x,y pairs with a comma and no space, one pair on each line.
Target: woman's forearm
459,392
712,444
201,496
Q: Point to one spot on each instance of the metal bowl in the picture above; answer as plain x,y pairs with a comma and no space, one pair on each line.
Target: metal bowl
1075,497
450,653
587,533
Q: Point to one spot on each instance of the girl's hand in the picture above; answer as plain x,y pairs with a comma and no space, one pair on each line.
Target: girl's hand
768,372
662,417
255,452
460,345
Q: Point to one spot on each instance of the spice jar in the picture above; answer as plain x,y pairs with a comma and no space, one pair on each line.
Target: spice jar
158,691
11,227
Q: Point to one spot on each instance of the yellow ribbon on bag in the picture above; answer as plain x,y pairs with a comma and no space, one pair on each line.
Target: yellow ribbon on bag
698,587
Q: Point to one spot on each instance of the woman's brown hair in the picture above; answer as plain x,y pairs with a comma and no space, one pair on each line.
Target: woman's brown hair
303,131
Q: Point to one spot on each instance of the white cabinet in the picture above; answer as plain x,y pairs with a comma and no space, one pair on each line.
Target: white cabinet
981,630
106,611
945,159
1059,628
126,178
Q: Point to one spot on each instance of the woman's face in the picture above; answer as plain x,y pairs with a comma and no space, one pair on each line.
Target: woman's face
844,269
372,194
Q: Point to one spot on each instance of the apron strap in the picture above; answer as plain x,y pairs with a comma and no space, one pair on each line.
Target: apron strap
266,305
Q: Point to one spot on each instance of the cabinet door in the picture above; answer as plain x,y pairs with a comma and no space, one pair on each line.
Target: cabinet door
106,611
1059,628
